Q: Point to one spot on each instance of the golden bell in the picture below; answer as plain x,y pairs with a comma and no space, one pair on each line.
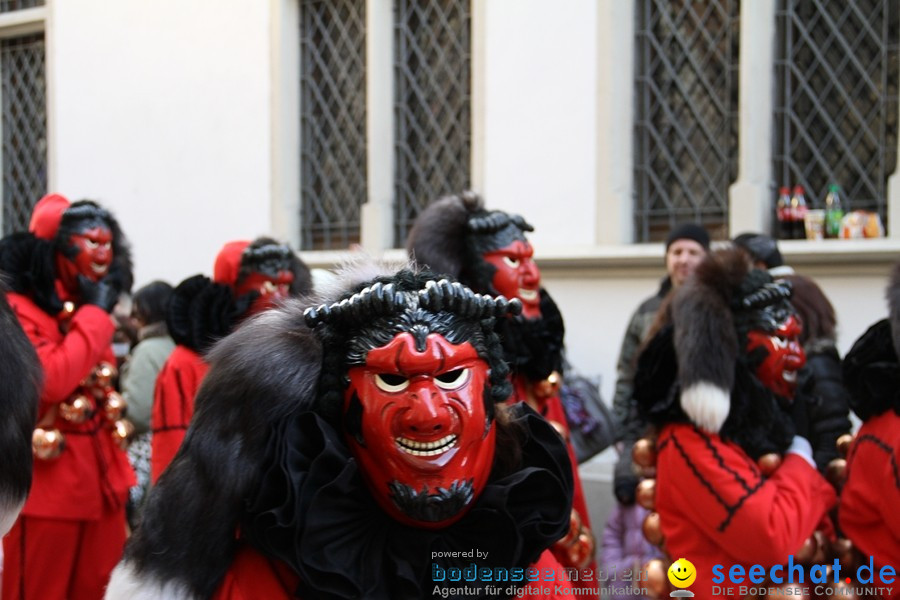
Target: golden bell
122,432
769,463
77,410
652,529
843,444
836,472
657,580
808,550
47,444
644,453
104,374
115,406
549,386
645,494
581,553
68,309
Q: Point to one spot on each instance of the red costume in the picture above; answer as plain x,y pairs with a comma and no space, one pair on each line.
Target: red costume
488,251
253,576
716,507
870,499
247,278
72,529
719,383
359,448
173,405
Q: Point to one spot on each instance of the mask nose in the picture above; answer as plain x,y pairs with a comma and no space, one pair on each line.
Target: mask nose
531,275
427,414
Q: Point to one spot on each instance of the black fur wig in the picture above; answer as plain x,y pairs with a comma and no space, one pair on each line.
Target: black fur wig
871,367
284,369
450,237
29,261
20,372
701,353
202,311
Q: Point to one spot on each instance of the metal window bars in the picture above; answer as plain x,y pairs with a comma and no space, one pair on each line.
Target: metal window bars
836,98
11,5
333,122
24,123
686,79
432,97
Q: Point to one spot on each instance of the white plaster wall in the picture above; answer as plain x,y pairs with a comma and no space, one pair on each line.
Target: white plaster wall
540,70
161,110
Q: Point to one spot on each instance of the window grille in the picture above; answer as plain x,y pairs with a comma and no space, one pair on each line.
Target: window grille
333,122
11,5
24,152
685,115
836,98
433,124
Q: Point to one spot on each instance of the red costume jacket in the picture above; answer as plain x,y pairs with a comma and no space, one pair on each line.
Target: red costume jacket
92,474
716,508
870,499
253,576
552,410
173,405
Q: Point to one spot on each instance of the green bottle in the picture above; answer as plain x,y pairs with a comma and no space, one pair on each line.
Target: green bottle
834,212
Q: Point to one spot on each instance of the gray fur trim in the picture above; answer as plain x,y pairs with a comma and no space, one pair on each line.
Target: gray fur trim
437,240
893,299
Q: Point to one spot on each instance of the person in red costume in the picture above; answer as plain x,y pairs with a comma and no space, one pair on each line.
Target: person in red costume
719,383
870,498
358,448
248,278
66,275
488,251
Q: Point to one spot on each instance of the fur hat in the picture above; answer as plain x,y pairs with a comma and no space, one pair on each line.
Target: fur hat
712,313
452,234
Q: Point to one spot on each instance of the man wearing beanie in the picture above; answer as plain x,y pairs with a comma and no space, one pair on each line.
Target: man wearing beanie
686,246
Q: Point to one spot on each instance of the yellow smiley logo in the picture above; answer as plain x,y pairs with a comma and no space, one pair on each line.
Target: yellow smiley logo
682,573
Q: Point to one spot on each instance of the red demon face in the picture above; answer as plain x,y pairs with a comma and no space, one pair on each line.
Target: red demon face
270,287
517,276
418,427
92,255
784,356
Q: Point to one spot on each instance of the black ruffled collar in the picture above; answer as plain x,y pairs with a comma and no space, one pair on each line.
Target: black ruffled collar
533,347
202,312
314,513
872,372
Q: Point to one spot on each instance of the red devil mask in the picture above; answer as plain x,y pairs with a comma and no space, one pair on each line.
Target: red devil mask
517,276
88,252
271,287
784,356
418,427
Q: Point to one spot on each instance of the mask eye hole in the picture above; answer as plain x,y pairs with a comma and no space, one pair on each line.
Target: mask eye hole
452,379
511,262
391,382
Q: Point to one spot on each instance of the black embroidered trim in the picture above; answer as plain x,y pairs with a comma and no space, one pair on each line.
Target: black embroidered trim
882,445
730,510
720,460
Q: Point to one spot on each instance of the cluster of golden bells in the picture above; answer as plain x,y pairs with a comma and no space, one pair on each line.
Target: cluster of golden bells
578,544
96,390
817,549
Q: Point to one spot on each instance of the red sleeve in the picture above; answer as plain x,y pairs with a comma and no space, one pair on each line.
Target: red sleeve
173,406
720,491
66,359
